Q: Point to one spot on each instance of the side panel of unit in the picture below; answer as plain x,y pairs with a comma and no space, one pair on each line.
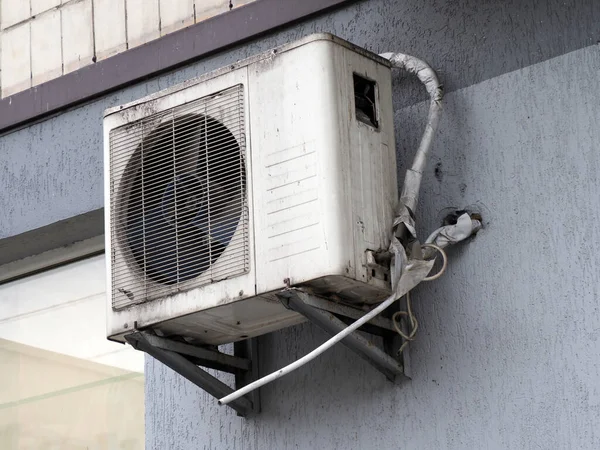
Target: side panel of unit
370,150
300,201
183,303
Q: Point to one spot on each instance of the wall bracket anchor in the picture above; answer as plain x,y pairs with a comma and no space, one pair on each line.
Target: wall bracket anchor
333,317
185,359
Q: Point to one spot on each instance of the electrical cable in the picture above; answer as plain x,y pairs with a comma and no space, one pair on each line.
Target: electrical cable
331,342
444,261
310,356
414,324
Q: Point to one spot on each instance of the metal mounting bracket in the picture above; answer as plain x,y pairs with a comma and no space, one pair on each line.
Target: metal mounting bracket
184,359
328,315
333,317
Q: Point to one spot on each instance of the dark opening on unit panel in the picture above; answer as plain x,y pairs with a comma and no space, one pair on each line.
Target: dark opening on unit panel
365,101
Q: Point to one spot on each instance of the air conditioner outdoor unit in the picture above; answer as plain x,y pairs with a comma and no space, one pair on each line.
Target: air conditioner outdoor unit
274,171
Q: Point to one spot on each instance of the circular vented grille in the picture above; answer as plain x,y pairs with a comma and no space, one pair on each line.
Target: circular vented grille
184,202
178,207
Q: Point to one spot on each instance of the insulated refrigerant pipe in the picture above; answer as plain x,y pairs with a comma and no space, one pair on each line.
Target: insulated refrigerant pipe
412,181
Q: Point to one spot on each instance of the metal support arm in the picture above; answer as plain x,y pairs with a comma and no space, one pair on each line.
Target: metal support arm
330,316
302,303
184,359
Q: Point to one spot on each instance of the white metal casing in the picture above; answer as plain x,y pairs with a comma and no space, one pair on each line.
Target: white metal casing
321,189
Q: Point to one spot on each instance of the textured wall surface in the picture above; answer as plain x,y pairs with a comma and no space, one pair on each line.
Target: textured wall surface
507,355
467,43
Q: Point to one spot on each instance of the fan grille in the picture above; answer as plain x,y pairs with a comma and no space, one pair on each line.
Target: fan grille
179,216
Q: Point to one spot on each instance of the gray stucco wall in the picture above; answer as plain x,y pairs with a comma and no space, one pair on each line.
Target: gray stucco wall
507,354
52,170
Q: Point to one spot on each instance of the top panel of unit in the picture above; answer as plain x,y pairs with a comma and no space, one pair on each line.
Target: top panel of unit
248,61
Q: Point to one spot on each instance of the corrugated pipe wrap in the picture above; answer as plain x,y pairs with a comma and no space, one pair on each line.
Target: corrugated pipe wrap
412,181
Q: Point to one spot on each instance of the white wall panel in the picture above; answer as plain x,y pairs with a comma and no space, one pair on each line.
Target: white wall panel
15,60
39,6
46,52
109,27
175,14
77,35
13,11
142,21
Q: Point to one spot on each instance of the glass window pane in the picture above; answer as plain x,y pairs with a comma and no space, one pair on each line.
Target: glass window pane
62,384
